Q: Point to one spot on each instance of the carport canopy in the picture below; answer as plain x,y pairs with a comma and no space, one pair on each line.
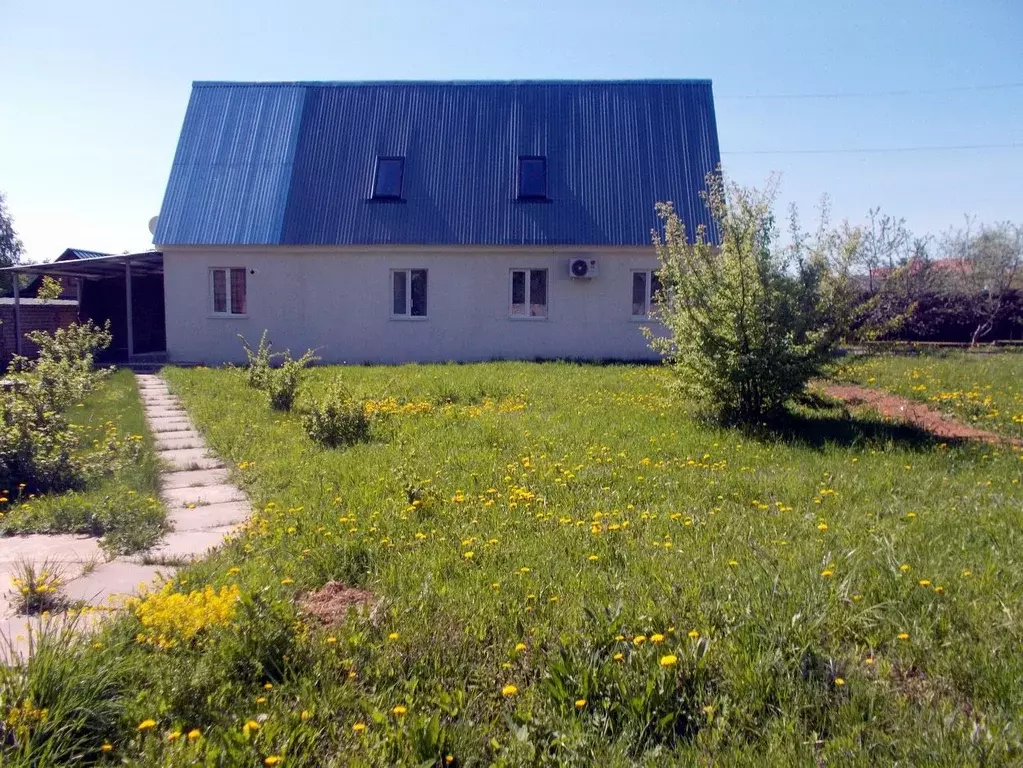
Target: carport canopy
121,265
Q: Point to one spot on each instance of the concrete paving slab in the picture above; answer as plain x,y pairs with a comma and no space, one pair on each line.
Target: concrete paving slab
174,441
190,458
109,583
191,545
193,478
202,495
209,516
64,548
165,412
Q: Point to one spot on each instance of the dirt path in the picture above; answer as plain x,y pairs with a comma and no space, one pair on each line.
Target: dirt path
902,409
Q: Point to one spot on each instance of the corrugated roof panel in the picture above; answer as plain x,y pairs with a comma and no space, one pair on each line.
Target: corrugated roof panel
78,253
231,174
293,163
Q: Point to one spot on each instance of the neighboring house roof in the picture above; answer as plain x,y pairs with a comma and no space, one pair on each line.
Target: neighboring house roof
293,163
78,253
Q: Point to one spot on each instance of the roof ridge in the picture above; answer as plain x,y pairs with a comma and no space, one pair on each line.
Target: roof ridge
440,83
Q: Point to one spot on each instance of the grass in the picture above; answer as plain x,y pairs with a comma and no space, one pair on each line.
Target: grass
122,506
984,389
568,571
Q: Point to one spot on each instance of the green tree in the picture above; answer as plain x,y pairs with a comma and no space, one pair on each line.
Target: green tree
749,322
11,247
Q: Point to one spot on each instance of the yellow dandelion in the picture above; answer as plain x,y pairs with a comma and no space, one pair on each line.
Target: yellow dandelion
273,760
827,573
509,690
639,640
619,657
839,682
250,726
146,725
668,661
399,711
194,734
359,727
174,736
925,582
520,647
106,747
287,581
656,638
694,634
393,636
903,635
580,703
469,555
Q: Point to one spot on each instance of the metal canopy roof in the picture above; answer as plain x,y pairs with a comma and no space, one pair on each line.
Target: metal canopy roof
97,268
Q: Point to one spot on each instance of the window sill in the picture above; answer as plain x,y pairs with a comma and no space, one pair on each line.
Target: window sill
225,316
410,318
527,318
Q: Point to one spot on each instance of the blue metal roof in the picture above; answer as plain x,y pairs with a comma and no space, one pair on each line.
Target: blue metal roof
293,163
78,253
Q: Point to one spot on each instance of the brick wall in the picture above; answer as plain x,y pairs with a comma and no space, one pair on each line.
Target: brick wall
34,317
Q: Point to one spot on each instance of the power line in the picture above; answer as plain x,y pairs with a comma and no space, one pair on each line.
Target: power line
872,94
874,150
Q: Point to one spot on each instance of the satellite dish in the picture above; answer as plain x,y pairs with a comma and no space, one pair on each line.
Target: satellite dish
152,225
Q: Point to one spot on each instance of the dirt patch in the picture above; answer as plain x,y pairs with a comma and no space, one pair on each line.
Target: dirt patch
330,604
901,409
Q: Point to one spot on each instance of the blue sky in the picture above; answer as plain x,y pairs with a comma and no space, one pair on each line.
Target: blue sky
94,93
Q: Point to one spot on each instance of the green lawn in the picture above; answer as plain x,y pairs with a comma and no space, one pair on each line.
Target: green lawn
984,389
571,571
123,505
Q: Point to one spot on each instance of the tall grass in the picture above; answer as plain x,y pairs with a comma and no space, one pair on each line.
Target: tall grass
570,571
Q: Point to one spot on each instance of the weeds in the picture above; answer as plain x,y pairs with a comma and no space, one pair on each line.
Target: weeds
37,588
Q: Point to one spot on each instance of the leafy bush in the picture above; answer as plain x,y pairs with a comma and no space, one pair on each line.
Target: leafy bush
337,419
258,361
749,325
38,448
280,382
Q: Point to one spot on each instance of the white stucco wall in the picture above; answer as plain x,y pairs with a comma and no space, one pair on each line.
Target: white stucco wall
339,302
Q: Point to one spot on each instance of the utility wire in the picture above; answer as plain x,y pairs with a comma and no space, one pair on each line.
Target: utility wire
872,94
873,150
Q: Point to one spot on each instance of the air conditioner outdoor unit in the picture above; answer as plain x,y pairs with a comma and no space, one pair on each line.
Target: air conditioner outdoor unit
582,269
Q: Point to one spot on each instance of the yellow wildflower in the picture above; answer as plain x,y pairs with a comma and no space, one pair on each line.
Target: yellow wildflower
146,725
668,661
509,690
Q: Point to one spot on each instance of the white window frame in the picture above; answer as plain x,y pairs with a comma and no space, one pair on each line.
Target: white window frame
408,294
648,298
511,288
227,279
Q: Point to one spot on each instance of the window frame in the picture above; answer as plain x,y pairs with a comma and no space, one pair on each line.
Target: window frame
374,192
648,298
211,307
543,196
511,293
407,271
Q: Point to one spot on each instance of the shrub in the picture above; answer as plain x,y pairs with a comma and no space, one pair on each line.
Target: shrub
258,361
748,324
280,382
337,420
38,449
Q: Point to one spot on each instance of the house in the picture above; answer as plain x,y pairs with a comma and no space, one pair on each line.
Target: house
427,221
69,286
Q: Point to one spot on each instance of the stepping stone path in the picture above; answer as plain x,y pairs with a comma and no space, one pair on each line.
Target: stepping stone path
202,505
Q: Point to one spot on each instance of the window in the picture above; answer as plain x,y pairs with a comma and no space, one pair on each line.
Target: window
532,178
646,285
387,184
227,291
408,292
529,293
